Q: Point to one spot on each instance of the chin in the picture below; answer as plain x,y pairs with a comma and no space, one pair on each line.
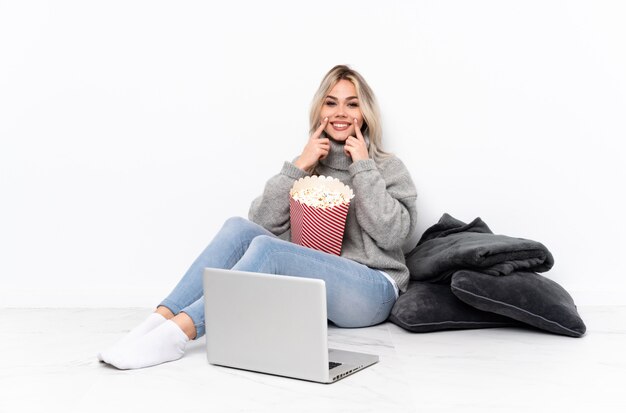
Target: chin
339,137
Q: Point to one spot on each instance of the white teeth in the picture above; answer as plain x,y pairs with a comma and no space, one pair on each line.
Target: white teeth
341,125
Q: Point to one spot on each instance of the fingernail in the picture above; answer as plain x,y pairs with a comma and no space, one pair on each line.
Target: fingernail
325,118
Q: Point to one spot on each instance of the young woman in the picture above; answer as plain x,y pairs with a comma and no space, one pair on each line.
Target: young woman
362,284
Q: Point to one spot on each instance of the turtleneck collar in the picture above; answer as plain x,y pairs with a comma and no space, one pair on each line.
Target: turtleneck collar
336,158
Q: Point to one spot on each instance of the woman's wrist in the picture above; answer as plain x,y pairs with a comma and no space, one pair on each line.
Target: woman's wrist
300,164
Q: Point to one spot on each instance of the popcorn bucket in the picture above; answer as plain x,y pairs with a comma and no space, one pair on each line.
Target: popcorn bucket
318,207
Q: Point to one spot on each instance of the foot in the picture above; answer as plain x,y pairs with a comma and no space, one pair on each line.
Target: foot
165,343
154,320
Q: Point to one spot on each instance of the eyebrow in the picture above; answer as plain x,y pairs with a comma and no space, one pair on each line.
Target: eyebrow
348,98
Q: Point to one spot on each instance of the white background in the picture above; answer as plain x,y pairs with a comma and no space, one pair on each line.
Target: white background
130,130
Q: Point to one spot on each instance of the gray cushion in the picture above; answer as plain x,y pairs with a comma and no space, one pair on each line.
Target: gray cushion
524,296
427,307
452,245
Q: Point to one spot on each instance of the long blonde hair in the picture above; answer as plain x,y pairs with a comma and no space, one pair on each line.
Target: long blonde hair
371,128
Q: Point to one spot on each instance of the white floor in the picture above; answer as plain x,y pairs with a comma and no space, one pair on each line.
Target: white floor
48,364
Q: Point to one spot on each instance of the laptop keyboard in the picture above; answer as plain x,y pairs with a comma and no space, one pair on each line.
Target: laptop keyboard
332,365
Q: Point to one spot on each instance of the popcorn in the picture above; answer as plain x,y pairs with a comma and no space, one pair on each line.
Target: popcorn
319,207
319,197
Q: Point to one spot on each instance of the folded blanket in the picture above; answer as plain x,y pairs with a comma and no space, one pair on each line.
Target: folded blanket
452,245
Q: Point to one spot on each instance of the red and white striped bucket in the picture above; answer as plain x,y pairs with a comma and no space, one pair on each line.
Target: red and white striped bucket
319,228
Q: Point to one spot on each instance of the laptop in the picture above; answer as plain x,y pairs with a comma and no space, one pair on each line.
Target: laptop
273,324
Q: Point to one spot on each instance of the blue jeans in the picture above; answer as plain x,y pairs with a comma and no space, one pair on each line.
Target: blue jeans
356,295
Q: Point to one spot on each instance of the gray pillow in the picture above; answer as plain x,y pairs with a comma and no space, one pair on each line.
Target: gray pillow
524,296
427,307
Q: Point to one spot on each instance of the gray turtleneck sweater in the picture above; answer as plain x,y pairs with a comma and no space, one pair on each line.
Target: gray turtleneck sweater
382,213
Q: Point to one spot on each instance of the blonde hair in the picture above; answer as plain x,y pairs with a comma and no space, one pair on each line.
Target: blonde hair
371,127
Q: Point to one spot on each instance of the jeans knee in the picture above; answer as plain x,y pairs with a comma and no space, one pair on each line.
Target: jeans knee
239,229
258,256
262,243
234,222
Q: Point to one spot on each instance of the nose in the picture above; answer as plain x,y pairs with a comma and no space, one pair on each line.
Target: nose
340,112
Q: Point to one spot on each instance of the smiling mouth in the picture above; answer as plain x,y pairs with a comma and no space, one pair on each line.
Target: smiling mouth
340,126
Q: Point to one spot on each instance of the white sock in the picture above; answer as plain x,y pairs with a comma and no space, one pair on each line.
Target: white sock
165,343
153,320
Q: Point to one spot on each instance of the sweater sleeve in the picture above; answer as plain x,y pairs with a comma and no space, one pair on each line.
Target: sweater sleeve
385,201
271,209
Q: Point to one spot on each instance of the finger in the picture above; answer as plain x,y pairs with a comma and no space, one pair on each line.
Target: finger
357,129
320,129
324,145
348,148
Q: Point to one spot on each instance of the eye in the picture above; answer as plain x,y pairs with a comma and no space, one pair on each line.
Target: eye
353,105
330,103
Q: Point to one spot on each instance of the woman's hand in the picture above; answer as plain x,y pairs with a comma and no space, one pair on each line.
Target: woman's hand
356,148
316,148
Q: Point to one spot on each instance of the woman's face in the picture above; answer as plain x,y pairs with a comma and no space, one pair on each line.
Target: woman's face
341,107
